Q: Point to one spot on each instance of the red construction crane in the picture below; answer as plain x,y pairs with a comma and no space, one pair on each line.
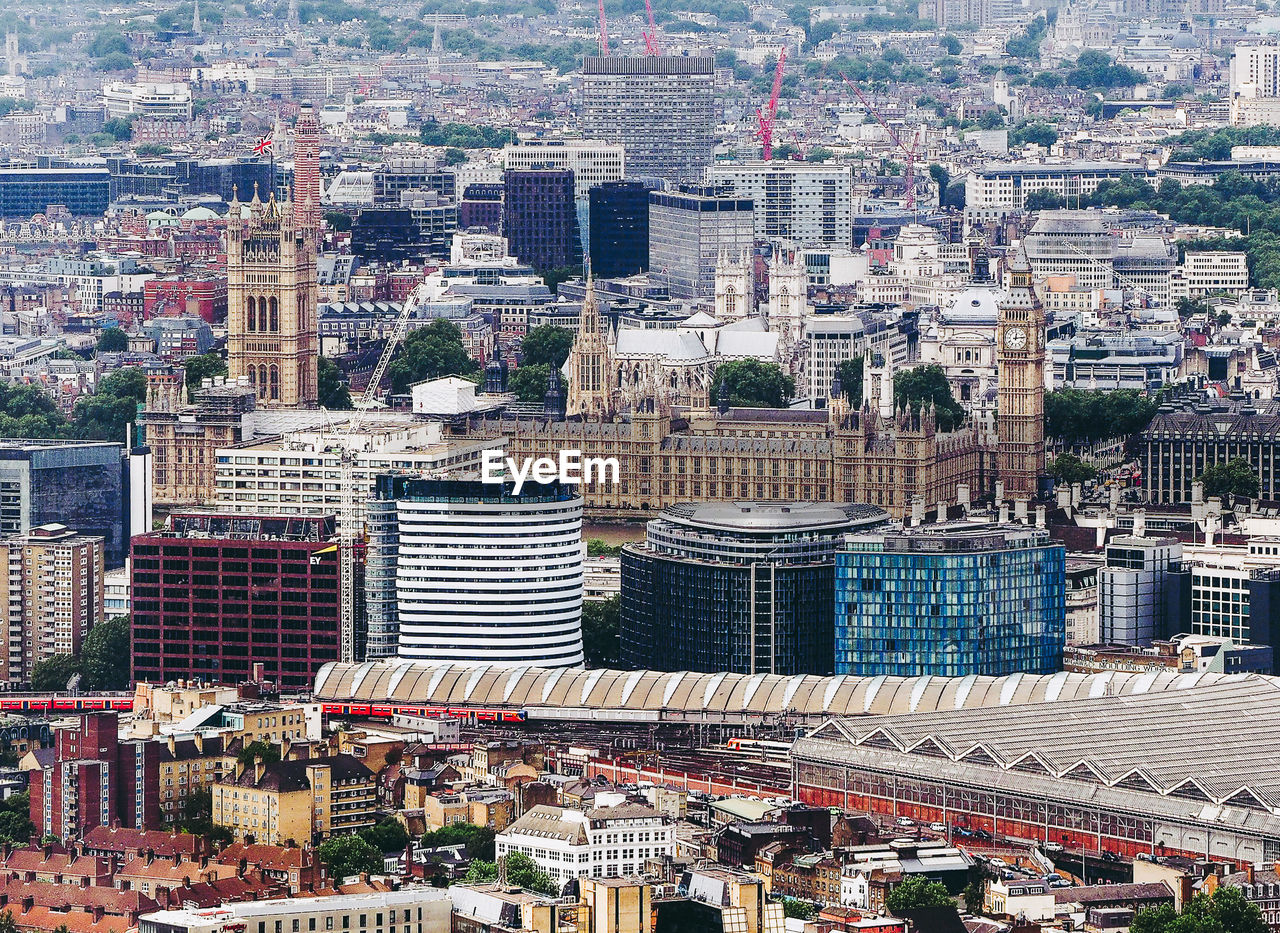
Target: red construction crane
650,37
604,32
769,112
909,153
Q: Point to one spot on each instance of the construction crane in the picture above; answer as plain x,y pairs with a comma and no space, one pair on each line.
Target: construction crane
769,112
347,514
650,37
604,31
909,153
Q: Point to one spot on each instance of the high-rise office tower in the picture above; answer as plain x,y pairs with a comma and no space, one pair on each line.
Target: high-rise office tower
618,233
802,203
271,304
689,229
662,109
483,575
540,218
306,169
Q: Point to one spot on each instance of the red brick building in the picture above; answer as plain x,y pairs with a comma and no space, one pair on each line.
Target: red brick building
213,595
205,296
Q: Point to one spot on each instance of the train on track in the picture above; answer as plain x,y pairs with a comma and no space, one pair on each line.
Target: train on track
56,703
386,711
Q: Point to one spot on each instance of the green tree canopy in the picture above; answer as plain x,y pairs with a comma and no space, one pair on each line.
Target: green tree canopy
52,673
112,340
529,383
1077,416
1224,911
349,855
850,379
753,384
1043,199
198,368
1070,469
15,819
103,654
547,344
429,353
330,386
916,891
523,872
106,415
388,835
1234,478
601,632
923,385
337,221
478,872
477,839
951,44
267,751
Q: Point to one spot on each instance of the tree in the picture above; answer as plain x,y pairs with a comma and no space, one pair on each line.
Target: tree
601,632
1043,199
529,383
477,839
924,385
916,891
330,387
478,872
52,673
547,344
1078,416
198,368
389,835
102,653
1234,478
554,278
268,752
337,221
523,872
850,372
753,384
598,547
106,415
1070,469
112,340
15,819
349,855
429,353
941,177
1224,911
951,44
796,909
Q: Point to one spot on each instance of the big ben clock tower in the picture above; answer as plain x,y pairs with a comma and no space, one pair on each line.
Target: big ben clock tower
1020,368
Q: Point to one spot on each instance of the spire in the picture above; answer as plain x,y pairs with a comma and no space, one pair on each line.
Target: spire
722,397
553,402
886,386
868,401
437,43
195,18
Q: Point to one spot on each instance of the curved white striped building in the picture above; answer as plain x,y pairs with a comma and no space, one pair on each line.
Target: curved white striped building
481,576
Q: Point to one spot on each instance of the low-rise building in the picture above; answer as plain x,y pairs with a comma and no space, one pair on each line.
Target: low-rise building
415,910
605,842
299,800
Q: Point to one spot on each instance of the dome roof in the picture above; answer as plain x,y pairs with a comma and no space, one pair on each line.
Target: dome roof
200,212
974,306
160,218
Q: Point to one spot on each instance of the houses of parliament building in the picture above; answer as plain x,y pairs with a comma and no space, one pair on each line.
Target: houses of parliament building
872,452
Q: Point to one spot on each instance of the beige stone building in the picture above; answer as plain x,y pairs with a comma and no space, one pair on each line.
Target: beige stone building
272,318
50,596
298,801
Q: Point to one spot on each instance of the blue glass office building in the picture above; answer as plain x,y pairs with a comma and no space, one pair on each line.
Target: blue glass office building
950,600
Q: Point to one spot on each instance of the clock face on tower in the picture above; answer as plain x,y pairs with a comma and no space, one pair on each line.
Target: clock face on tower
1015,338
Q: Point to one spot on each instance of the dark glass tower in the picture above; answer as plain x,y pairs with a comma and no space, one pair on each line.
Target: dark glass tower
619,228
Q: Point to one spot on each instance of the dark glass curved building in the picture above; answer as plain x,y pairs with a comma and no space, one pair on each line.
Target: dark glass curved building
745,587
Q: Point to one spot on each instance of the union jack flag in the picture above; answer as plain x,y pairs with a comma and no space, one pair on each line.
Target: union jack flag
263,145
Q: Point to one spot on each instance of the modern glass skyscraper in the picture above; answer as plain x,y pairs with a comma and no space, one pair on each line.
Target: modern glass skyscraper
950,600
744,587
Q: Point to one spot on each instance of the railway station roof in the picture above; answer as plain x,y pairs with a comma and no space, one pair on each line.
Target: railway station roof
682,696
